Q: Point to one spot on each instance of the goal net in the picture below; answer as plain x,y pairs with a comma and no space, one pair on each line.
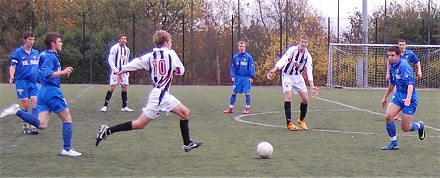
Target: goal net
364,65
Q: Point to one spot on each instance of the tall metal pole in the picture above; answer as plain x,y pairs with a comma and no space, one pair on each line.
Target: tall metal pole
337,31
429,22
239,21
192,40
46,16
384,24
365,41
91,42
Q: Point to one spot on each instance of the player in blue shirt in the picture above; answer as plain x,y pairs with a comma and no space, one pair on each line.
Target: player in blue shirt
50,97
242,74
23,71
408,56
404,99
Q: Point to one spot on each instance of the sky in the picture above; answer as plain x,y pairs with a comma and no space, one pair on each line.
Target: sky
329,8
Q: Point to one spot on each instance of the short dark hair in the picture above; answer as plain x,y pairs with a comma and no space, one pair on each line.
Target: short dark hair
401,40
49,38
395,49
121,35
27,34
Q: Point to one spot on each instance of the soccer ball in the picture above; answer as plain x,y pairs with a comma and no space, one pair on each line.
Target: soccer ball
264,150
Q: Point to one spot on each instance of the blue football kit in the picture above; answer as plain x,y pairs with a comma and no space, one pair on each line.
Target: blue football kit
242,69
26,72
401,76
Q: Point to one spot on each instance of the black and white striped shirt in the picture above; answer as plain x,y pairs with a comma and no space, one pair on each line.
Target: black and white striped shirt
119,56
294,63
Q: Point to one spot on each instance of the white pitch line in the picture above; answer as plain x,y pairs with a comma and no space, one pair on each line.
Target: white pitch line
238,118
359,109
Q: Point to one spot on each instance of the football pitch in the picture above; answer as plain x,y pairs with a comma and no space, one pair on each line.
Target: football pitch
347,130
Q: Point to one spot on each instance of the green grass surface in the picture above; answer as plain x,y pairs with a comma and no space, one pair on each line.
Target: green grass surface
344,140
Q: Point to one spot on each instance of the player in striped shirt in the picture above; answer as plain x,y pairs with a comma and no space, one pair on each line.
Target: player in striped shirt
162,62
119,55
242,74
23,71
294,61
404,99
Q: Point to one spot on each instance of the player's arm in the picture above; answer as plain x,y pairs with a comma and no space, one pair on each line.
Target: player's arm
48,73
408,79
135,64
280,63
416,60
309,74
11,74
233,68
251,68
178,67
387,76
111,59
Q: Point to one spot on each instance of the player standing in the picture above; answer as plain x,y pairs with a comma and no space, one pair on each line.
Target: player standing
161,63
119,56
294,61
50,97
23,71
404,99
409,57
242,74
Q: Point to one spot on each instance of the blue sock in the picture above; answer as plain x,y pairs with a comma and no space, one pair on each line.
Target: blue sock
67,135
35,112
415,126
391,129
232,99
29,118
248,99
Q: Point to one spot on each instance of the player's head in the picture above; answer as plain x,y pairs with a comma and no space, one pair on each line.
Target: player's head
241,47
122,39
53,42
402,45
303,42
393,54
162,39
28,39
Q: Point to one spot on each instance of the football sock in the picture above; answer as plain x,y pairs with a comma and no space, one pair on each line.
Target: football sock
67,135
303,111
120,127
35,112
184,130
391,129
108,96
248,101
415,126
232,101
29,118
124,99
287,111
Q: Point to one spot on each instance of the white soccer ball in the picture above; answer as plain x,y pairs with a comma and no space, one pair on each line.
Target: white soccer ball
264,150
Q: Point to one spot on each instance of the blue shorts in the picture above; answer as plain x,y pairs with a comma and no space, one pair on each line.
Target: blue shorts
51,99
398,98
26,89
241,85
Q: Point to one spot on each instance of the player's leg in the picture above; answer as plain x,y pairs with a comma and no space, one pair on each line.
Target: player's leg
67,132
287,90
390,126
303,109
124,95
407,124
183,112
233,98
33,93
247,94
21,87
113,82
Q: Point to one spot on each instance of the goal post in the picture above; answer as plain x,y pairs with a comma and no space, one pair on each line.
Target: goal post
364,65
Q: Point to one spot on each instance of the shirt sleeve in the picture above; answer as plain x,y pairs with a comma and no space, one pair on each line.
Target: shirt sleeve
233,67
413,58
178,67
137,64
46,68
309,67
14,59
285,58
251,67
111,59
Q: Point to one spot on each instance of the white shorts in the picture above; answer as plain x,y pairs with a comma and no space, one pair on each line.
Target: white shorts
114,79
294,83
153,108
